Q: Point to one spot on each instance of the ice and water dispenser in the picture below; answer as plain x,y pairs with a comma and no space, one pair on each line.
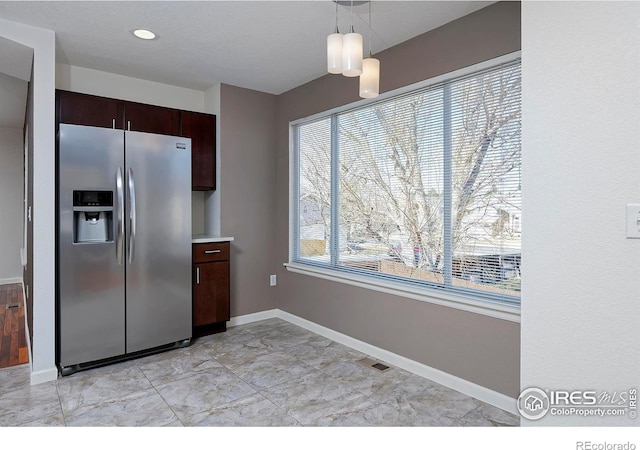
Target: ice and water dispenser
92,216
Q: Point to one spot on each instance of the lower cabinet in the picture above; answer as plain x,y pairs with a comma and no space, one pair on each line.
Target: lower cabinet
211,294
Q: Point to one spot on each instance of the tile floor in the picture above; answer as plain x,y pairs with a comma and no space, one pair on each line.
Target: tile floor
267,373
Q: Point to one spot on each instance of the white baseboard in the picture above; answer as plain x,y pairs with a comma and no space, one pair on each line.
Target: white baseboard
41,376
44,376
451,381
26,322
14,280
254,317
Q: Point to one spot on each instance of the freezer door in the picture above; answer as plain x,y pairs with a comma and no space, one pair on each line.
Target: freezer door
158,248
90,297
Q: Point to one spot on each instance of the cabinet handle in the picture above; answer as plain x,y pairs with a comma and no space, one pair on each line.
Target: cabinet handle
197,275
208,252
113,123
128,125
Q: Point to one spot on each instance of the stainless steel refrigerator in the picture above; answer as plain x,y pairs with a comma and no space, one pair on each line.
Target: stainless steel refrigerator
123,245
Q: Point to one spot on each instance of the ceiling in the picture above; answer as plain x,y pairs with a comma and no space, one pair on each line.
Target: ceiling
269,46
15,71
16,59
13,101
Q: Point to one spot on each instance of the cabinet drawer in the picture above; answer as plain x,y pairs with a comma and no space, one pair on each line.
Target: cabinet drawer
215,251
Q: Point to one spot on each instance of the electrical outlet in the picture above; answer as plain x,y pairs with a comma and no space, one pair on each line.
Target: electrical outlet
272,280
633,221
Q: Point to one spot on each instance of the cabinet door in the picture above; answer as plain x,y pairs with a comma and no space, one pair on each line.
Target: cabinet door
201,128
211,293
90,110
151,119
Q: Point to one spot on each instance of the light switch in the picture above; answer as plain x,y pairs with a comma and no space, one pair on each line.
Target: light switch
633,220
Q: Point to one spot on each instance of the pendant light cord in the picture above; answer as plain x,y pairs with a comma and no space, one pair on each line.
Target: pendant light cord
369,28
352,30
337,31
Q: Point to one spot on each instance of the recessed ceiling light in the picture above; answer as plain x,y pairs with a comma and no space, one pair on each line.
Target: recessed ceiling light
144,34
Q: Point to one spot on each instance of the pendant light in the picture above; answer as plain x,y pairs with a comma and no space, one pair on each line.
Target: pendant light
334,49
352,51
370,78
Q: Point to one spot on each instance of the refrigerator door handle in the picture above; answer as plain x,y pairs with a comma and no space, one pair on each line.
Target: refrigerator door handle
132,214
120,216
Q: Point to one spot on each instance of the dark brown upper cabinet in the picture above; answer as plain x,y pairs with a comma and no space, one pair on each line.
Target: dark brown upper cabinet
201,128
91,110
151,119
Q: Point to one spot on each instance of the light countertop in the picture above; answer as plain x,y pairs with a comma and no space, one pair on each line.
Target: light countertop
207,238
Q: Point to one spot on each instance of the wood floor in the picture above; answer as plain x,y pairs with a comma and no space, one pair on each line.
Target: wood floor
13,341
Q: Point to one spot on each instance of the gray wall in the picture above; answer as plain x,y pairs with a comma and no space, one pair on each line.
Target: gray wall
480,349
11,201
248,195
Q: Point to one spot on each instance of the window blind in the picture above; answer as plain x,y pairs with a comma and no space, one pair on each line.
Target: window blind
422,188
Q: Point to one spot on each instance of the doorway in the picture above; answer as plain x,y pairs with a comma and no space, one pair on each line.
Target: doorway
16,63
13,338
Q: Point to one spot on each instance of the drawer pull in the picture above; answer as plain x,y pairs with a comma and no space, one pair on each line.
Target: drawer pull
197,275
209,252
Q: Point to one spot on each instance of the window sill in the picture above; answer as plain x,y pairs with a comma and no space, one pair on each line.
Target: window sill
497,310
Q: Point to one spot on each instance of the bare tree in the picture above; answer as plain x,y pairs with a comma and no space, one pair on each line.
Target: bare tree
484,155
392,158
315,175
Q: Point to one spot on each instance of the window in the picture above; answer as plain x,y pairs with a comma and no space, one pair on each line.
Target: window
421,188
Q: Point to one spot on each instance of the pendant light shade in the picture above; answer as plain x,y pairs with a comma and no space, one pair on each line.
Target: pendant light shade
370,78
352,54
344,55
334,52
